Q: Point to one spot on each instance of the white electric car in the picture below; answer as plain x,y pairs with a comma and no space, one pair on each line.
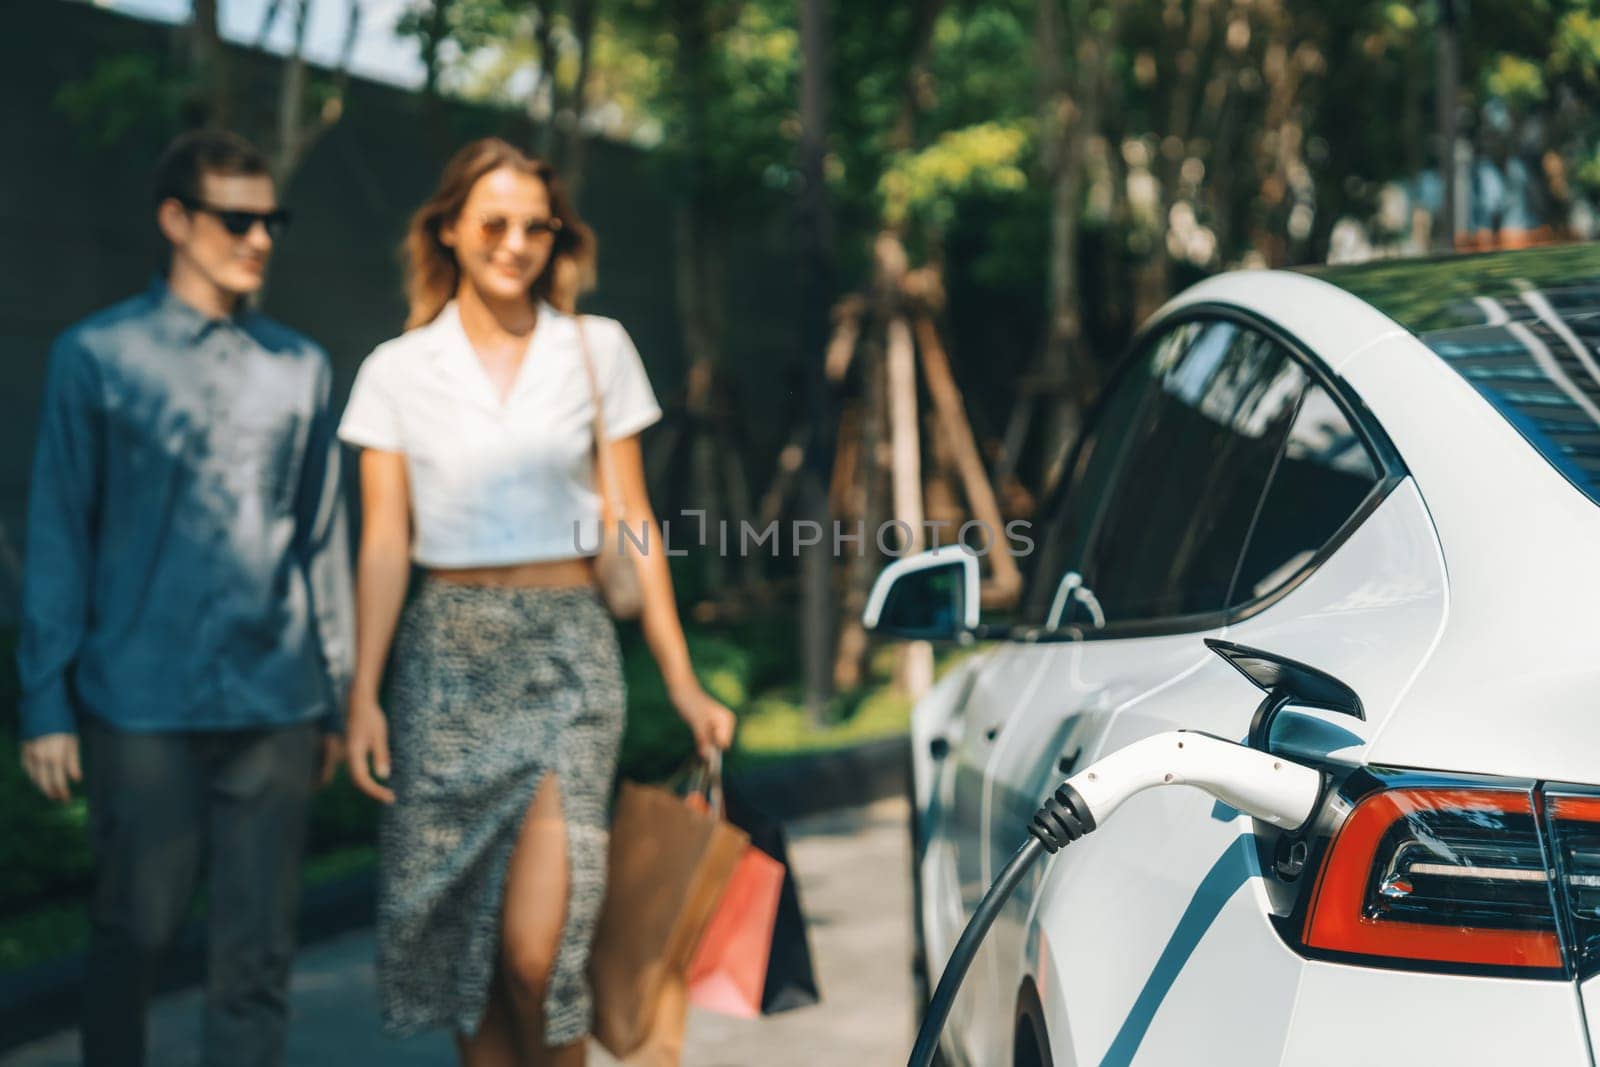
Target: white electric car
1350,517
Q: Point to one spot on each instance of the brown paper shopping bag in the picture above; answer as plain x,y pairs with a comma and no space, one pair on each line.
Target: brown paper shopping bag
668,867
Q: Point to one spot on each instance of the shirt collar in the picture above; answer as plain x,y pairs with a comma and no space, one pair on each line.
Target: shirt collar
446,331
189,321
451,350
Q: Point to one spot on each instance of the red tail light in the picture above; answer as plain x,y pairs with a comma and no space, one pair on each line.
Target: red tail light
1452,876
1575,833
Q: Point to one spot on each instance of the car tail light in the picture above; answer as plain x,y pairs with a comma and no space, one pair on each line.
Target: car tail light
1575,834
1446,876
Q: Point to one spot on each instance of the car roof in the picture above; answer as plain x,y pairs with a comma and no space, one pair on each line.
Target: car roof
1446,292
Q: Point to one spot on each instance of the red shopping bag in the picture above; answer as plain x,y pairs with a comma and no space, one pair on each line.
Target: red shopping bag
729,970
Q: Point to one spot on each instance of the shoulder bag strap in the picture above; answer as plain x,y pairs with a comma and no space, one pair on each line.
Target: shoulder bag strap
603,467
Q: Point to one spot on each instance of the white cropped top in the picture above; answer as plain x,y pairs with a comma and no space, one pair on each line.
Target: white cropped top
499,483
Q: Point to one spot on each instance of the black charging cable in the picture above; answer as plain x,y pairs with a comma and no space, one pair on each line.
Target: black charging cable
1062,820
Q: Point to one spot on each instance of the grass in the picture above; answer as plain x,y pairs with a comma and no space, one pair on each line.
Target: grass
778,724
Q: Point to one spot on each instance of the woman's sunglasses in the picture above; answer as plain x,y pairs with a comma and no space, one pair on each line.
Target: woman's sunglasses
495,227
240,223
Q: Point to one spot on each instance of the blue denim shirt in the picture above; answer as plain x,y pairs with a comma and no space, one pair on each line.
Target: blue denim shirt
187,561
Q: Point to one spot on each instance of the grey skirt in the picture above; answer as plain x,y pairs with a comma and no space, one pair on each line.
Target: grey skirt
490,689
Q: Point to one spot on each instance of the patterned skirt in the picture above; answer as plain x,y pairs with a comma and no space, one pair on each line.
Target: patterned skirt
490,689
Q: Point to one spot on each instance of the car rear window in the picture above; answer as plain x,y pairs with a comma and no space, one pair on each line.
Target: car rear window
1523,328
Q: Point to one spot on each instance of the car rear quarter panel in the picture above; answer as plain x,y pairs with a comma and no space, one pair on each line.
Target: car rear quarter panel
1153,935
1512,687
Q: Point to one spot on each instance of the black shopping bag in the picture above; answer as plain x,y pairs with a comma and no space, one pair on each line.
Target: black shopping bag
791,982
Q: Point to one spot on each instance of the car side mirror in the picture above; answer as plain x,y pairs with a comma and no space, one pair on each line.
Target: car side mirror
931,596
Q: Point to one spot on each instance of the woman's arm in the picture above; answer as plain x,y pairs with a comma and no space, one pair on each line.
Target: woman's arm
709,721
383,568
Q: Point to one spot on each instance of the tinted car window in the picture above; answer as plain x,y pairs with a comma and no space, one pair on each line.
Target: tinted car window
1535,362
1169,479
1172,529
1522,327
1067,530
1321,480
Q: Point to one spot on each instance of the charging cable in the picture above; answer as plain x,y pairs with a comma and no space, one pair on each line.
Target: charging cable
1257,783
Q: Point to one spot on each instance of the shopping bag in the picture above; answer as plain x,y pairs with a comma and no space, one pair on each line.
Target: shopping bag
729,969
663,1045
790,981
668,867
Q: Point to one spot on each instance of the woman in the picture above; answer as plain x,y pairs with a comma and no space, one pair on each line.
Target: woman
505,683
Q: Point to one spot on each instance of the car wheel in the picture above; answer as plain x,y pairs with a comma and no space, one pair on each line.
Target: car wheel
1031,1047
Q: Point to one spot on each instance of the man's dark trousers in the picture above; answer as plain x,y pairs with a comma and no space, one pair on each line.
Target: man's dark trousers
163,807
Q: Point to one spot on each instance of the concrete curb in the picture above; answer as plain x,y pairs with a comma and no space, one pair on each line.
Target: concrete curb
44,999
813,782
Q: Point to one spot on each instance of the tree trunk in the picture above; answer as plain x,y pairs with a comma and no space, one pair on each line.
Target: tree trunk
435,30
269,16
1006,579
294,140
699,280
209,60
292,100
862,567
817,569
543,82
1188,54
1060,125
572,155
904,135
915,660
905,446
1447,95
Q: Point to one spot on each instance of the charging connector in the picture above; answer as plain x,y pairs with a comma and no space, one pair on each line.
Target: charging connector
1257,783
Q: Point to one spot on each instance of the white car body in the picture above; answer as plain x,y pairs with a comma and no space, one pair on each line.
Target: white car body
1460,608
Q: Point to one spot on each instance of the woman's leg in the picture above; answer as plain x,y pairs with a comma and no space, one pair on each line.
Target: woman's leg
534,913
495,1043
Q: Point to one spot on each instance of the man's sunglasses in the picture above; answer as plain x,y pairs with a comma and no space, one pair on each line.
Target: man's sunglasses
240,223
495,227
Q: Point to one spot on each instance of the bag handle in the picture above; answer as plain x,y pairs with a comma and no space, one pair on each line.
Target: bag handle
603,465
706,777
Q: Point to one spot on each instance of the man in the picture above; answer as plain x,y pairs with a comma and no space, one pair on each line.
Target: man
186,609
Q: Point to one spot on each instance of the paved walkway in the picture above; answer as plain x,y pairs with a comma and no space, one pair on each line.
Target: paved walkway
851,867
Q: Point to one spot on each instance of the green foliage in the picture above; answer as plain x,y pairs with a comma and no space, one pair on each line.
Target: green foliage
733,665
44,848
988,158
127,96
1517,81
722,83
1576,48
31,937
1401,19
